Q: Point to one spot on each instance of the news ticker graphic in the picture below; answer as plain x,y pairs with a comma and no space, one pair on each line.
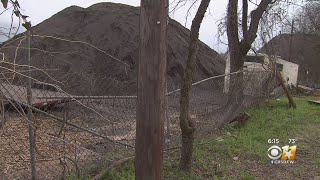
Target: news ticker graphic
282,155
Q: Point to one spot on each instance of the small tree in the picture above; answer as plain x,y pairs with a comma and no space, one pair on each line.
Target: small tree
186,124
239,48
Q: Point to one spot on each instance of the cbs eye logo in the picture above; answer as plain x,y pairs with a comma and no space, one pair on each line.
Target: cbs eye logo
286,152
274,152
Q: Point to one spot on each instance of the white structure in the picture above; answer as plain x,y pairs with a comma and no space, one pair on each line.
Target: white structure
288,70
262,62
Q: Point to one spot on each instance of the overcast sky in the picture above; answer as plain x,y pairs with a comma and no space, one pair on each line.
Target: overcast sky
39,10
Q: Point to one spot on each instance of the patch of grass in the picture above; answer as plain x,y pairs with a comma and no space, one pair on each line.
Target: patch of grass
72,176
246,176
241,152
318,160
126,172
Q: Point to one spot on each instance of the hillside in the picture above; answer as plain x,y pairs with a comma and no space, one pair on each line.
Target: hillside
114,28
305,52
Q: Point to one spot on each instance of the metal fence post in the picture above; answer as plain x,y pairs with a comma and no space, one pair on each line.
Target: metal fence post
29,114
3,120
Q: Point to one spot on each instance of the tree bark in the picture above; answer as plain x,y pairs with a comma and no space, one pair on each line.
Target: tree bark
151,89
234,51
186,124
256,15
239,49
244,18
233,35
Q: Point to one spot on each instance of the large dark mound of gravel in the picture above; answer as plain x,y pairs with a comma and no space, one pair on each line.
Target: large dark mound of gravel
114,28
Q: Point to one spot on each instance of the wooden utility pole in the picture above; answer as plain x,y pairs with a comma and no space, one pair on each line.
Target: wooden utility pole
290,43
151,89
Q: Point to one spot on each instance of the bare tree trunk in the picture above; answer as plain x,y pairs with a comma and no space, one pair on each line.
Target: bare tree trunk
233,35
239,49
236,80
151,89
244,18
186,124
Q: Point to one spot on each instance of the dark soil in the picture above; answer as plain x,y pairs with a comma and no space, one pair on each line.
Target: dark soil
114,28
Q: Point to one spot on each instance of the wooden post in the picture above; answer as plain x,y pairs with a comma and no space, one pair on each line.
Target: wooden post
30,115
290,43
151,89
2,118
290,99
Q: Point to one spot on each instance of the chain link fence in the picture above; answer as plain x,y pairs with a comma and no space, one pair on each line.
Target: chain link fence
78,122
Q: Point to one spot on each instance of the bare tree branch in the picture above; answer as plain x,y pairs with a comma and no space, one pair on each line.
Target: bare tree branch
244,18
256,15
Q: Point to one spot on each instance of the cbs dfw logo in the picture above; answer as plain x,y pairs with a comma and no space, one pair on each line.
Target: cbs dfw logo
284,155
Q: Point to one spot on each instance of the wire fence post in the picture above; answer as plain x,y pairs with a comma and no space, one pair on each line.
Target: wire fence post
2,121
29,113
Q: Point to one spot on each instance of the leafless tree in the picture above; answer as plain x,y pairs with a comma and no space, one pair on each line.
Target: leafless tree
16,11
186,124
238,48
307,19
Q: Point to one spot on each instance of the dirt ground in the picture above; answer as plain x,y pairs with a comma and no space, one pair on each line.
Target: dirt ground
55,154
